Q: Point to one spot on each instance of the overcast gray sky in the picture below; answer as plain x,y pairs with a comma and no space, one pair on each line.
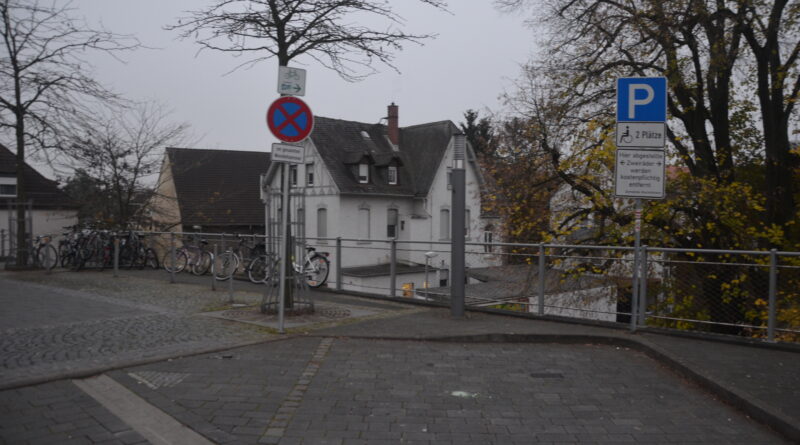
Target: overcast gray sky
475,57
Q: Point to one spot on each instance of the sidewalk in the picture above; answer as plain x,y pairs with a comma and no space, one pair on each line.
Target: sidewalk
419,376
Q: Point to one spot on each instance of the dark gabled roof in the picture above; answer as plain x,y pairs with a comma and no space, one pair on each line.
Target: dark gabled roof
424,146
342,144
44,192
218,187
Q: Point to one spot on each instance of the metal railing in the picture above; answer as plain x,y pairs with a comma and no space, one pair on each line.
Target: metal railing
754,294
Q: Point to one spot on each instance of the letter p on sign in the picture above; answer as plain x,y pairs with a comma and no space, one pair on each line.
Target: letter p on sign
641,99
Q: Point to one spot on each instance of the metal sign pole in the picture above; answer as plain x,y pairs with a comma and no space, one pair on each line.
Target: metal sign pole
284,245
637,230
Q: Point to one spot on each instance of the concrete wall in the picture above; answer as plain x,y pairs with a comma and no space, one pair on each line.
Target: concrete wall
599,303
45,222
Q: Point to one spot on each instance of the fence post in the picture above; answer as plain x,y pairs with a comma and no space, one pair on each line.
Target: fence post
541,279
116,256
635,288
773,285
393,268
172,255
230,280
338,263
643,286
214,267
2,243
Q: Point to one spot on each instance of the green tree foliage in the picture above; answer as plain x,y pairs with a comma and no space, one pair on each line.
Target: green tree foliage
733,81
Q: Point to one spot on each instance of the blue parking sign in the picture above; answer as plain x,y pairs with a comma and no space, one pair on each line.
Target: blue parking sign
641,99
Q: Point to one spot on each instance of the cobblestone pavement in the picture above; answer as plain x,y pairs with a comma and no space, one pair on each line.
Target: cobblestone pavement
381,391
338,387
59,413
85,324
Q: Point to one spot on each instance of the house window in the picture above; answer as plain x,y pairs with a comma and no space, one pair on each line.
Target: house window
309,174
449,177
293,175
322,223
444,224
488,237
8,186
391,223
363,173
392,175
363,224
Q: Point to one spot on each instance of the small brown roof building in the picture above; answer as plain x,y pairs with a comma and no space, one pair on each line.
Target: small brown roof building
210,191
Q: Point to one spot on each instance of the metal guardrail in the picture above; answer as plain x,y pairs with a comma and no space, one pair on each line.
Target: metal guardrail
747,293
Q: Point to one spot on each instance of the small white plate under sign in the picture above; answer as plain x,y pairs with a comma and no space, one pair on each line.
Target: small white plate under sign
640,174
291,81
641,135
292,154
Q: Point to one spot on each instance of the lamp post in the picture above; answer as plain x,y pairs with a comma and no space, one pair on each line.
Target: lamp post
457,228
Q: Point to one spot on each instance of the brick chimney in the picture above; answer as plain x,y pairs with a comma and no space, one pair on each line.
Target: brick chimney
392,123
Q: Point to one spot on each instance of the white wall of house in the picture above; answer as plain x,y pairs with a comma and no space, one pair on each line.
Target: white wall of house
366,216
45,222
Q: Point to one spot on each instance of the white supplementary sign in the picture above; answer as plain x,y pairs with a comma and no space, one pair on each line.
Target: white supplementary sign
291,81
292,154
640,174
641,135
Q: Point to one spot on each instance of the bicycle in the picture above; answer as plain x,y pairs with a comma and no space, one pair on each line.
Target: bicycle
315,267
44,254
195,257
228,262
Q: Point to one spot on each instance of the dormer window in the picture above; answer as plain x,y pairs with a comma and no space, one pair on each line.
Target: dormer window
363,173
391,175
8,187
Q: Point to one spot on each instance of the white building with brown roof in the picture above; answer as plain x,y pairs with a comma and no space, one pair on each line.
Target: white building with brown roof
374,182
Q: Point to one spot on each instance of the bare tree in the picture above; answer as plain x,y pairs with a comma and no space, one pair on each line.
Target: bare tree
325,30
44,81
122,152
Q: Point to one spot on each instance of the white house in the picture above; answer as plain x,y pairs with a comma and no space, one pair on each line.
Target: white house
49,209
375,182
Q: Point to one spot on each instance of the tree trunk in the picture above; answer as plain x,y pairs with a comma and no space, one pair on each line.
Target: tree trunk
22,193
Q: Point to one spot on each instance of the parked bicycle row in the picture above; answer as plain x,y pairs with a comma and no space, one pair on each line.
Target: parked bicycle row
247,257
81,247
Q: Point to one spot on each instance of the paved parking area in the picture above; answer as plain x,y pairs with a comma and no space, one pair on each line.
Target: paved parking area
51,332
403,377
381,391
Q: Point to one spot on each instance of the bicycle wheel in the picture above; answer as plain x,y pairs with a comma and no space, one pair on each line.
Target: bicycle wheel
261,269
316,271
225,266
202,263
63,252
47,256
178,265
150,259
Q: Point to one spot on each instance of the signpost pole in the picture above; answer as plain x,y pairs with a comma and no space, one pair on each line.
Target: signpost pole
637,230
284,245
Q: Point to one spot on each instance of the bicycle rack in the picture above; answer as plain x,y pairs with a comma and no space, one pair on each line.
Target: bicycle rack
302,304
